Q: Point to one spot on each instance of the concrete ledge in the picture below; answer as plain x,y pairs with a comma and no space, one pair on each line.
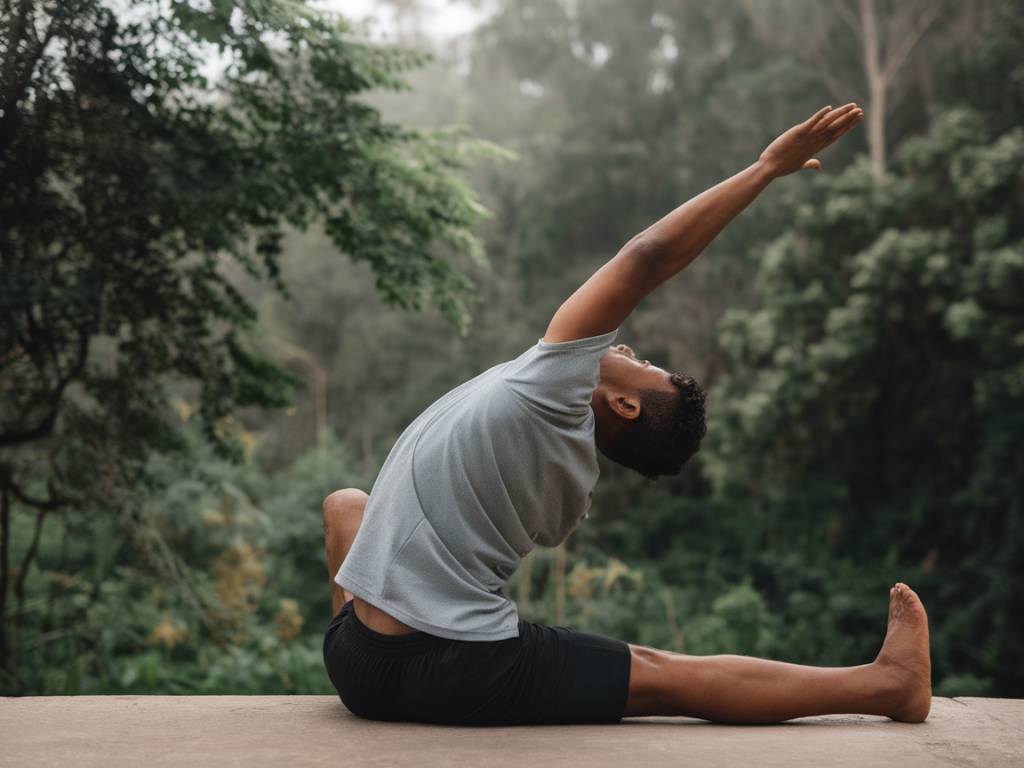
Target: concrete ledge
256,731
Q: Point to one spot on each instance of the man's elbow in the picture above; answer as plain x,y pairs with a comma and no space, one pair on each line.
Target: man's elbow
646,259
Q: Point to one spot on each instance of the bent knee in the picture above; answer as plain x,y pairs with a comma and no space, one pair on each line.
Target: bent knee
344,500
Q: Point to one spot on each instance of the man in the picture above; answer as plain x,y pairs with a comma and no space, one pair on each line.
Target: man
508,460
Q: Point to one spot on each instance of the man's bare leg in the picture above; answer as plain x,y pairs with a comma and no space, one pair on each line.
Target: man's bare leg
739,689
735,689
343,513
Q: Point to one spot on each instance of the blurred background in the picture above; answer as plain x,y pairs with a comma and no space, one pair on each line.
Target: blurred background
244,243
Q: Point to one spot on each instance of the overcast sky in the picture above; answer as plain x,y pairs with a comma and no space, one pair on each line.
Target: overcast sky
441,18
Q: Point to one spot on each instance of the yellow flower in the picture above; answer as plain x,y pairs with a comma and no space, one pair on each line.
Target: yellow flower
167,633
288,619
239,577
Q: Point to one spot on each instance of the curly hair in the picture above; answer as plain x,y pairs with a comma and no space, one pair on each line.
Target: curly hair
667,432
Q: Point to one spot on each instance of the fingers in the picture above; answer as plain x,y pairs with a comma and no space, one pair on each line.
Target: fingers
812,165
841,125
813,119
835,115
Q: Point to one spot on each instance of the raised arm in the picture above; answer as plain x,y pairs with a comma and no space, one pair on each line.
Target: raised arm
670,244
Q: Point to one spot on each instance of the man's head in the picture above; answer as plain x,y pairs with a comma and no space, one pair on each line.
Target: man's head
647,418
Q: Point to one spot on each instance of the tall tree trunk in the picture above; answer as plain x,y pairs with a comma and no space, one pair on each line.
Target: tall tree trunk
5,541
559,583
876,129
877,85
525,583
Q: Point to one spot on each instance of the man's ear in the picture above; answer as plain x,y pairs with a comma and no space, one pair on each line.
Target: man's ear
626,406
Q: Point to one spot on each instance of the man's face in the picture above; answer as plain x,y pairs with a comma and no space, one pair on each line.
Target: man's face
622,370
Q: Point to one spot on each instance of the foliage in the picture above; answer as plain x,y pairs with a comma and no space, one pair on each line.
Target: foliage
861,342
132,179
217,584
882,374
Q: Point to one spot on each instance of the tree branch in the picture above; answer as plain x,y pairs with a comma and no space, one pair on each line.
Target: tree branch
42,427
9,120
850,18
51,400
54,502
17,27
838,90
30,553
896,59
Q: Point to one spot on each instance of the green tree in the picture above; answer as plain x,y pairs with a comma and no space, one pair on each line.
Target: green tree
880,53
132,177
873,409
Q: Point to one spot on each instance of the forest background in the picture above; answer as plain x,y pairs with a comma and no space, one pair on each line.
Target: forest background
244,243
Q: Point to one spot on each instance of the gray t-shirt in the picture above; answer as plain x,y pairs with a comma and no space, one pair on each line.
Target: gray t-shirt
499,464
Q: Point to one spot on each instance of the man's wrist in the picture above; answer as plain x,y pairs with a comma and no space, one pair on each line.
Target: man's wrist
764,170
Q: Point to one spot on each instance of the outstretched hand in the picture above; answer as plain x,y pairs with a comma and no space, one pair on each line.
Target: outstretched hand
795,149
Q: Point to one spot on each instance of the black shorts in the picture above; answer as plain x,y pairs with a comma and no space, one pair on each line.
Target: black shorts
546,675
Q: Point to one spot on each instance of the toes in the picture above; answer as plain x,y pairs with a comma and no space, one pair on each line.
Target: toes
906,591
905,607
913,603
898,599
904,602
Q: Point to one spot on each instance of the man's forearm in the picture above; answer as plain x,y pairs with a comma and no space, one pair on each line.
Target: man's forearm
679,237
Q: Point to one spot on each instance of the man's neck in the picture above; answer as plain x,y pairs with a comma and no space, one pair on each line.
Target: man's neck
606,425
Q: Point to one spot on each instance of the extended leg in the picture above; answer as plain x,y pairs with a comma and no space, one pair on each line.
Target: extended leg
740,689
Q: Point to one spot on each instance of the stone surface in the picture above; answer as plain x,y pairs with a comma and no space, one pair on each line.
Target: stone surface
257,731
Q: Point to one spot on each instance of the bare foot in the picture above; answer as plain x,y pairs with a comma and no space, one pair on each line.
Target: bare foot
904,662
